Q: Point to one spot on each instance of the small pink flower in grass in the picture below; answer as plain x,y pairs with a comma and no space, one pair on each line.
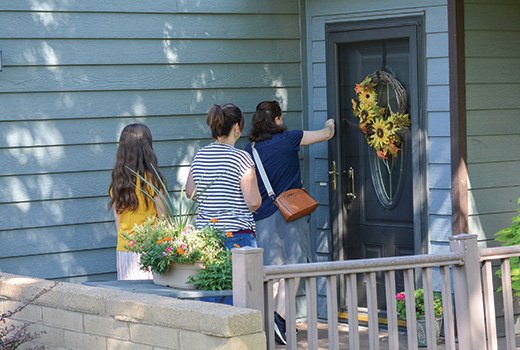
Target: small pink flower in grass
131,243
400,296
169,249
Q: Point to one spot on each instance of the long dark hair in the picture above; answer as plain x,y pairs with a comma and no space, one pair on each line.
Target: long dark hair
264,125
221,119
135,152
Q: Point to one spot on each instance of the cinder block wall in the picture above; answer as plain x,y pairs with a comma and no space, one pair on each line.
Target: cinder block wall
91,318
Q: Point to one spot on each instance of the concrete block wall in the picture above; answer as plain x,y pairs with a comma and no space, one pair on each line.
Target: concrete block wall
81,317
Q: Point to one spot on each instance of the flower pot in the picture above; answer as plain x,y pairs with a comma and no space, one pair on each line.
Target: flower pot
177,275
421,331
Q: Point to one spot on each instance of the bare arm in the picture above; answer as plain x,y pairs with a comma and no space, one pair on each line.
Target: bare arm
310,137
250,190
116,218
190,186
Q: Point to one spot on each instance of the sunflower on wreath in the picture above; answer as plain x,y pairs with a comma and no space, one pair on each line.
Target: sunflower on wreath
381,125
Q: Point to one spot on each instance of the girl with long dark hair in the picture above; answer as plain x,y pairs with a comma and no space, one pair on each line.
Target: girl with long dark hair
131,207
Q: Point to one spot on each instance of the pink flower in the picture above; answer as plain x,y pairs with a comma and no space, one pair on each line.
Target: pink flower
400,296
168,249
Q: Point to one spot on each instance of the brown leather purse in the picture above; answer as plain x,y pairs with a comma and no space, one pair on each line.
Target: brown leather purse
294,203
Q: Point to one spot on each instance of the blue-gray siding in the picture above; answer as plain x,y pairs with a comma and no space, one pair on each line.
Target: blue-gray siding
492,35
76,72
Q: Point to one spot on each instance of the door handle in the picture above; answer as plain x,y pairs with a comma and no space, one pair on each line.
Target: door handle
351,194
333,174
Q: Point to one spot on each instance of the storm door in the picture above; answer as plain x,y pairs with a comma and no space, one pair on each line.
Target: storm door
376,197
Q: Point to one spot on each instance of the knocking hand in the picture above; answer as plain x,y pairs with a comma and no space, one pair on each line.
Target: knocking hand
330,124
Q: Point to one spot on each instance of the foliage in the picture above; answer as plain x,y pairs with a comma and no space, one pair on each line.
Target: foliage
162,243
380,124
176,212
216,275
172,238
510,236
419,304
13,336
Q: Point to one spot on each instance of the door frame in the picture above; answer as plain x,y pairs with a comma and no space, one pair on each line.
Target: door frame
411,27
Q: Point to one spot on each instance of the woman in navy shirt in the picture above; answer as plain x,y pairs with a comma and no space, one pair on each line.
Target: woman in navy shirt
283,242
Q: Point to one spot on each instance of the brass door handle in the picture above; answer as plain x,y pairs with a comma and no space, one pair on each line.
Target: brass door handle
351,194
333,174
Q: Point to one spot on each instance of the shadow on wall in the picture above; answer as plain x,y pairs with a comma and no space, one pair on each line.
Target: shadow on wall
67,101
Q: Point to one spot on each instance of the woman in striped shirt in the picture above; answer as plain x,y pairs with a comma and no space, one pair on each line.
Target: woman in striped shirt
222,179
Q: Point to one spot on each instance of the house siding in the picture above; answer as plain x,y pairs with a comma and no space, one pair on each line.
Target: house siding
436,127
492,49
75,73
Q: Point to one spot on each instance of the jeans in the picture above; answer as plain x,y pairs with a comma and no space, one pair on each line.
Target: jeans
240,240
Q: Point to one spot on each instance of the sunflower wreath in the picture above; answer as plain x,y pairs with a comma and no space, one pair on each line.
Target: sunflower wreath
381,126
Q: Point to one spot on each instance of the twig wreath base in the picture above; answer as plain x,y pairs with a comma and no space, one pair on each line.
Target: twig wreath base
380,124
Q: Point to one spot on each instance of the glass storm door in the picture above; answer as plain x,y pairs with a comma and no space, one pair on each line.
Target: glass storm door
372,207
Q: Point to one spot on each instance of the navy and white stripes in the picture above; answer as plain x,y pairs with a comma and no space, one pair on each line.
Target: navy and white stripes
217,170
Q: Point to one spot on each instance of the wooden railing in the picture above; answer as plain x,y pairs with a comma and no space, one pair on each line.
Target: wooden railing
501,256
253,288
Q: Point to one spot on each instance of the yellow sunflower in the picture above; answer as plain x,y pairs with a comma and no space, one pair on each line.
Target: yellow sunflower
391,123
368,97
367,114
380,135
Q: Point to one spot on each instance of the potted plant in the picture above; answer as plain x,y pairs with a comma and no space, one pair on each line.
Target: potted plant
174,253
420,312
178,254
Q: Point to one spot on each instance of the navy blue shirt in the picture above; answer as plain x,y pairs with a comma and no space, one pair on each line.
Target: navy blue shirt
279,157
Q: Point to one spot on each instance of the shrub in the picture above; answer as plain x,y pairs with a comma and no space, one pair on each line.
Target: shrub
510,236
13,336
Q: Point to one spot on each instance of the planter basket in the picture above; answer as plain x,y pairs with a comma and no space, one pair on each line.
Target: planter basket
177,276
421,331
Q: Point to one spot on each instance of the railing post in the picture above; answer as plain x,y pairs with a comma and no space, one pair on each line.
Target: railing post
248,278
469,305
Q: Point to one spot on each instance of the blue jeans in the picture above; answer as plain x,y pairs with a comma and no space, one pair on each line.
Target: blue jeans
241,240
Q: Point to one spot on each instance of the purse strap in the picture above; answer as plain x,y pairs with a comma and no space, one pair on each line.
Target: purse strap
262,172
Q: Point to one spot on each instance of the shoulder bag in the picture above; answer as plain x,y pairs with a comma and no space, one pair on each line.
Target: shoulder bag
294,203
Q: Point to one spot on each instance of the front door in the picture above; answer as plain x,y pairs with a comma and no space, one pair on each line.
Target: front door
376,202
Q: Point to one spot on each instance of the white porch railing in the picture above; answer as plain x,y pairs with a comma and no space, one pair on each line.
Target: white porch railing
473,294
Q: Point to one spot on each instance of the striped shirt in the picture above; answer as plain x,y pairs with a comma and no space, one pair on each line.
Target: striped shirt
217,170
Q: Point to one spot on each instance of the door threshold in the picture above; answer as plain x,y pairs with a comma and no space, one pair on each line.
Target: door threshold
363,318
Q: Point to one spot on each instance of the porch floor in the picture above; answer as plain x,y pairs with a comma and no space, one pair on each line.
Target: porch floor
383,338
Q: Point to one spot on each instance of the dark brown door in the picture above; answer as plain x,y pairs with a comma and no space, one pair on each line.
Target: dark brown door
373,205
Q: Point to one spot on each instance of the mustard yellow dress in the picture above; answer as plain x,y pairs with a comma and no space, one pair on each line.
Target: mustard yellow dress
128,267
